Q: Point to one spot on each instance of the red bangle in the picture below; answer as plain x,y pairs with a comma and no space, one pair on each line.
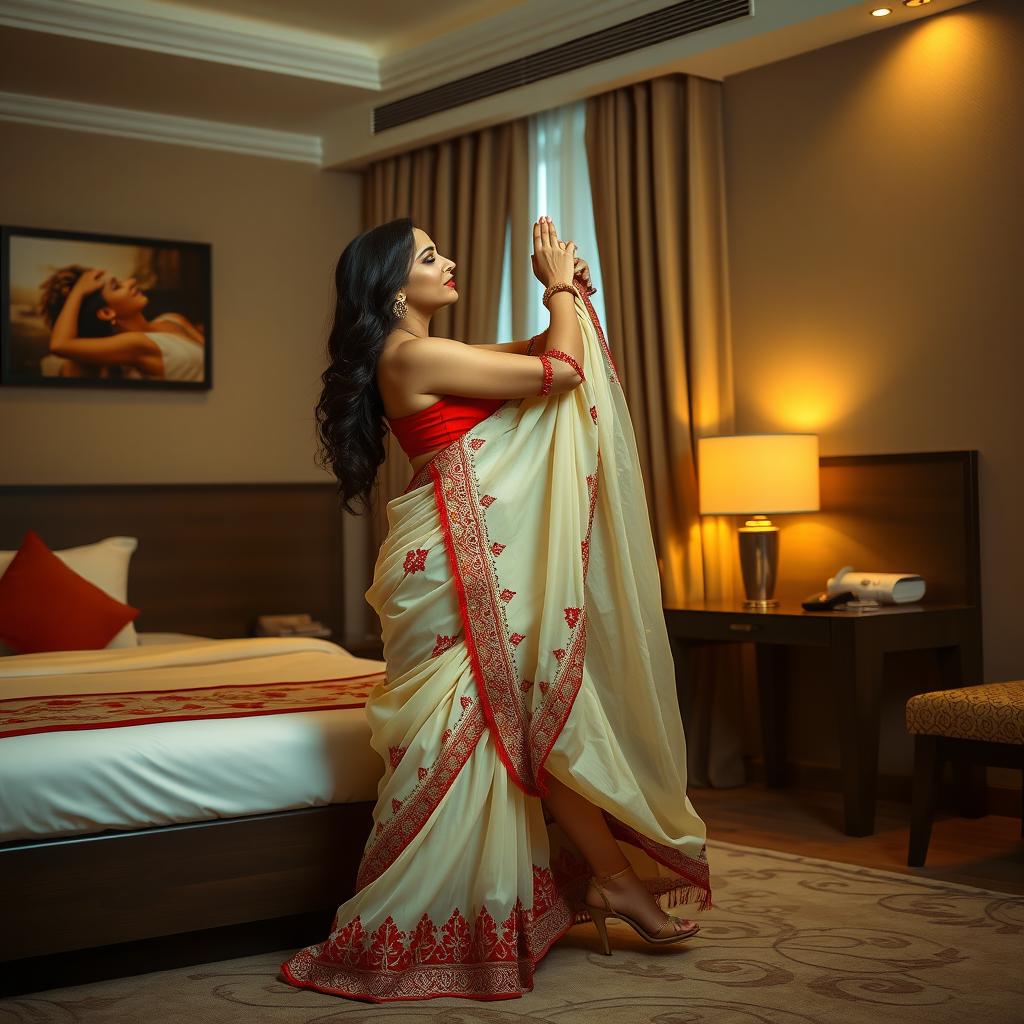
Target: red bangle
549,373
556,353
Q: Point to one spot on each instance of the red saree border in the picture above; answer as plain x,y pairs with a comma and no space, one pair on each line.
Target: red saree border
389,838
479,959
521,741
592,313
692,870
452,467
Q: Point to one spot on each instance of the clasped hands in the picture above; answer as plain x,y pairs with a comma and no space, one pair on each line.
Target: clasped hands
544,233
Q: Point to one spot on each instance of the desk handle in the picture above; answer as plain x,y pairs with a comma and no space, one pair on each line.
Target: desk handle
743,627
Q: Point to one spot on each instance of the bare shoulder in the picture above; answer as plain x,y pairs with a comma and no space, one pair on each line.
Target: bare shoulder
139,339
399,381
410,356
179,325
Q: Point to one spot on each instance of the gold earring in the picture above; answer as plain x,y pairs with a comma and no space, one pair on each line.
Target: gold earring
400,308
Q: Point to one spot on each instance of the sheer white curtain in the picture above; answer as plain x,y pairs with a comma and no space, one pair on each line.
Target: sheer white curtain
559,187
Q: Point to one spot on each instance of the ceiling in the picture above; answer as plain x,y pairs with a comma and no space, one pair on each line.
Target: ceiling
298,79
384,27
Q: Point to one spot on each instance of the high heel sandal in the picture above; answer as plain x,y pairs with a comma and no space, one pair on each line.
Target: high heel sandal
600,913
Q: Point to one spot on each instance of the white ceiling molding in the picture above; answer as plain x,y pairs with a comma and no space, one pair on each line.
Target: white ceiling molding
151,127
200,35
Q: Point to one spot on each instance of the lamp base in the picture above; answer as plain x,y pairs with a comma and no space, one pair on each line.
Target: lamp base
759,561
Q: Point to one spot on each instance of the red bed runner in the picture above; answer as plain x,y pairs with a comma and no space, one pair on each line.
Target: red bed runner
62,712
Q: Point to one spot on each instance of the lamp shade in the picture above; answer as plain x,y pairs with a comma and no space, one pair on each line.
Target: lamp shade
750,474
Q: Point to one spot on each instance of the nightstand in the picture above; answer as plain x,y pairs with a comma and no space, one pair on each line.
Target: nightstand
856,645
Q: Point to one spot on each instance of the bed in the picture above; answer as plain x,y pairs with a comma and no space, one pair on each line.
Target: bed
192,796
181,729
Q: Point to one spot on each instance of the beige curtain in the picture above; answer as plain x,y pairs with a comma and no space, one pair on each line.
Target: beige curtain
656,161
461,191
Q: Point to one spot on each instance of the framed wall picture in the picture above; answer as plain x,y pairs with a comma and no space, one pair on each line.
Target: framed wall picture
103,311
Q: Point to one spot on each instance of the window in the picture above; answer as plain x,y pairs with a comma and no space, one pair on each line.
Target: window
560,187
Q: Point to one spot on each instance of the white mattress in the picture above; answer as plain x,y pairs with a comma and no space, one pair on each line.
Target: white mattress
57,784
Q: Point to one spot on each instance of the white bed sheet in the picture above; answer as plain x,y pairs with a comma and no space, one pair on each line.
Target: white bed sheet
59,784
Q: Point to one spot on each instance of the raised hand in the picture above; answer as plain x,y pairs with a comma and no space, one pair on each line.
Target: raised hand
89,281
552,260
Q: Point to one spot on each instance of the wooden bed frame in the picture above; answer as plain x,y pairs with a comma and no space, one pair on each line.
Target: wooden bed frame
210,558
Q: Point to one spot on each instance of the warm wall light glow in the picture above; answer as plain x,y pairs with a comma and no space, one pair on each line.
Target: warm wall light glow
743,474
804,392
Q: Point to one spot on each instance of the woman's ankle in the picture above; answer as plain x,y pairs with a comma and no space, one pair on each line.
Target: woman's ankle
614,873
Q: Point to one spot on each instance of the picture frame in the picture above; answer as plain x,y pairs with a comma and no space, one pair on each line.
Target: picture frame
144,308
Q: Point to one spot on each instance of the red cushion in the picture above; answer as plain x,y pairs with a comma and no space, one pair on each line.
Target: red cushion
45,606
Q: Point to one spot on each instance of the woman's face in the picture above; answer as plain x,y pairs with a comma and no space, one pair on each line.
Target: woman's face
122,298
427,287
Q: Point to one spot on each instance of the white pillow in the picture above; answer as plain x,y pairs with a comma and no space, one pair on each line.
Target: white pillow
104,564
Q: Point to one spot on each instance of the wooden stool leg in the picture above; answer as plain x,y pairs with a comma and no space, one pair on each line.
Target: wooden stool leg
927,772
970,781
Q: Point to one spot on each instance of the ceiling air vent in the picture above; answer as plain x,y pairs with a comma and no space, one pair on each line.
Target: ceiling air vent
647,30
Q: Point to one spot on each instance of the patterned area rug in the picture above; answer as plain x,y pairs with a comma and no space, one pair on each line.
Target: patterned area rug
790,940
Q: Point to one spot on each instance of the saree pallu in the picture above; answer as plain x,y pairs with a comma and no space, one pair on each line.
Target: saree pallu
523,631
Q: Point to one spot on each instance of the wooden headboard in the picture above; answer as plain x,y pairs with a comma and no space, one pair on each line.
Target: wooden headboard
211,557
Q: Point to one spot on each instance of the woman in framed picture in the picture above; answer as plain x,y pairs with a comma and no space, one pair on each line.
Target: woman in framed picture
97,325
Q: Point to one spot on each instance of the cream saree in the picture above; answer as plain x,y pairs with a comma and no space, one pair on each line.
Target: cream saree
523,631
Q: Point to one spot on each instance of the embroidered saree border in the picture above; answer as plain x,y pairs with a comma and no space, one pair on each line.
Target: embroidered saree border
483,959
390,837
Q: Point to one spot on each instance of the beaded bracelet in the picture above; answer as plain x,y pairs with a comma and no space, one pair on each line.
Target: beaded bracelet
558,286
549,374
556,353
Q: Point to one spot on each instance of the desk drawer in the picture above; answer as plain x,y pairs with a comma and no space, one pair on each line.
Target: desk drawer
748,628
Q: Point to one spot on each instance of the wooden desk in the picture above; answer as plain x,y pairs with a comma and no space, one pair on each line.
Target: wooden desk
856,646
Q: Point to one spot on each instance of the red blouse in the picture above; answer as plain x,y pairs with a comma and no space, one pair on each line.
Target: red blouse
440,424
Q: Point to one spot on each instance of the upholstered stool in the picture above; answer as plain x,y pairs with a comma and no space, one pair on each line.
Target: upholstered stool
981,725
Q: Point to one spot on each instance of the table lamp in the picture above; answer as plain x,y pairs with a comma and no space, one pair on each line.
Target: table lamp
757,475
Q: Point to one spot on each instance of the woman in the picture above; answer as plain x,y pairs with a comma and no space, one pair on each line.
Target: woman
97,320
528,723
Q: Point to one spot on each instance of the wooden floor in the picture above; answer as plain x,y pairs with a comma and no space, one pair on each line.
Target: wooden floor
987,852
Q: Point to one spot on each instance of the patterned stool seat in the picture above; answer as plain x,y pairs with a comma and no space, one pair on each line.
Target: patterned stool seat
991,712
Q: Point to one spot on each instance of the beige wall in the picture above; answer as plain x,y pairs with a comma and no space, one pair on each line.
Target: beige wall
876,242
277,228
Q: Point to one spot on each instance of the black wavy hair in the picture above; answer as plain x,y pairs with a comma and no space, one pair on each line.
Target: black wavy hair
372,269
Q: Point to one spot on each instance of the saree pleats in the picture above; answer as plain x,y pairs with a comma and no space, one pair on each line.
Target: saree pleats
523,631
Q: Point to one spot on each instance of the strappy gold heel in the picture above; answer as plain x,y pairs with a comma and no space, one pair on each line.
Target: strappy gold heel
599,914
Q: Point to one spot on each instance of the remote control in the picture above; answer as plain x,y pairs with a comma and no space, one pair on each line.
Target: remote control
825,602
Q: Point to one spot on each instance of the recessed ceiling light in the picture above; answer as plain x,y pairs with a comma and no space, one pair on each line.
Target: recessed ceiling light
880,12
915,3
